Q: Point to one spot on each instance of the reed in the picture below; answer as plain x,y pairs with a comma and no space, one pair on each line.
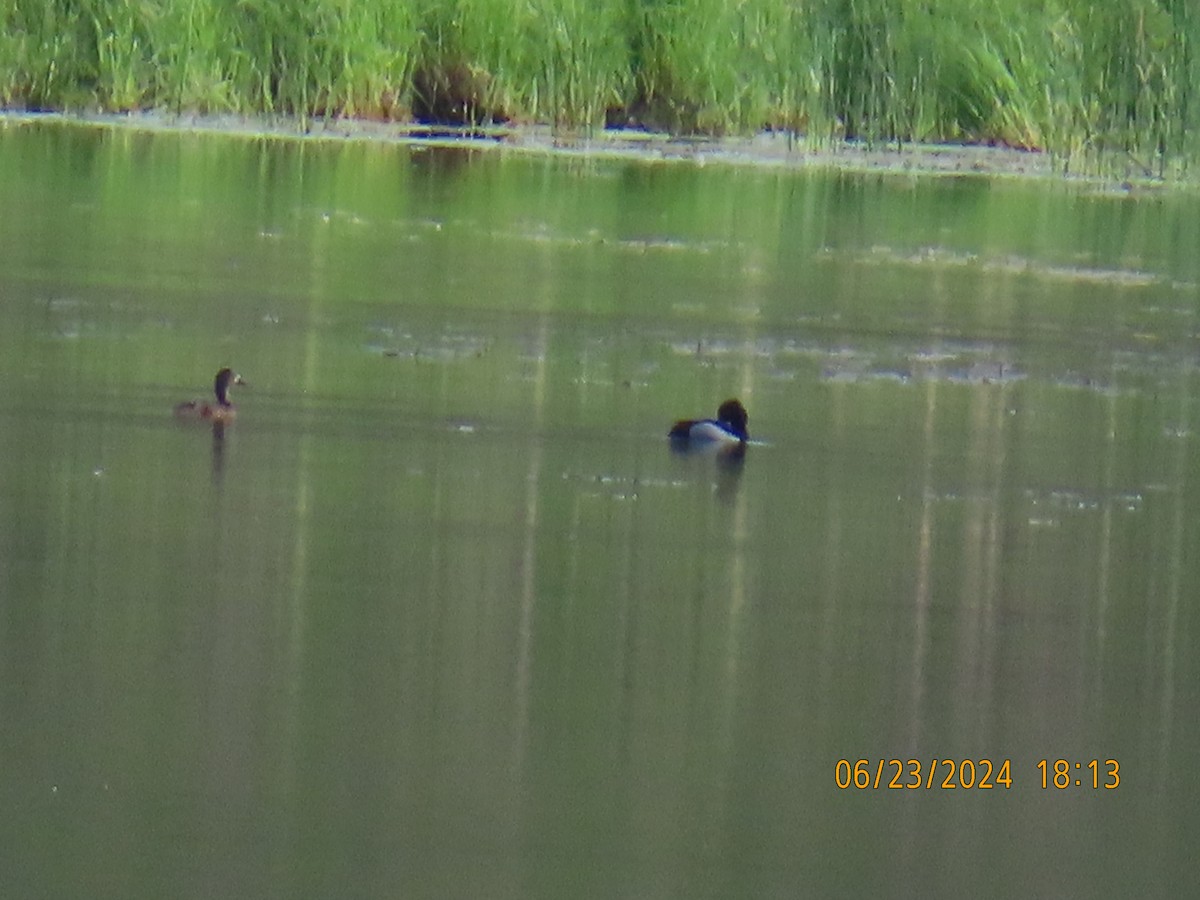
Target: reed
716,66
1138,70
1092,82
562,61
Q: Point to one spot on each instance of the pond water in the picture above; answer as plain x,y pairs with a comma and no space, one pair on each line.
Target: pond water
441,615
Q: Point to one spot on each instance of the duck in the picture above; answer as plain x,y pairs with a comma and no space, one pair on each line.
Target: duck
222,410
728,430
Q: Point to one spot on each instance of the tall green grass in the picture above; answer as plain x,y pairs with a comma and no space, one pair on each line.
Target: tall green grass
561,61
1087,80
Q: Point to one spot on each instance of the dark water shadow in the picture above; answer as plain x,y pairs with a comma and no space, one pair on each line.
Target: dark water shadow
218,452
727,462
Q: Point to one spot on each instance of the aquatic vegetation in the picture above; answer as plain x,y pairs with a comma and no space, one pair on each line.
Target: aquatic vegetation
1110,84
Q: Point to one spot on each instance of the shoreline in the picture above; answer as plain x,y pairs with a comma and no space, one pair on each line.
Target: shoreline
775,150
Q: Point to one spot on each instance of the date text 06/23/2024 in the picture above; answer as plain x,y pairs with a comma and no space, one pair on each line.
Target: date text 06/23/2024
977,774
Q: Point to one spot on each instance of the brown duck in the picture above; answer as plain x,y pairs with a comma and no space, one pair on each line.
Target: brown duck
222,410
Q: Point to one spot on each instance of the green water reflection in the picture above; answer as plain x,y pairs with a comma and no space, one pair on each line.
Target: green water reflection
440,615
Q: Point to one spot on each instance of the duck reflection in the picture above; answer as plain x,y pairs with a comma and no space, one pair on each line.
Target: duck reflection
218,450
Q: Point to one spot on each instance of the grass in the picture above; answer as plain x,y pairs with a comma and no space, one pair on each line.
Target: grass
1088,81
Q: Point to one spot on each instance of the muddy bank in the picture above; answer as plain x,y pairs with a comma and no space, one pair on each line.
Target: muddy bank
767,149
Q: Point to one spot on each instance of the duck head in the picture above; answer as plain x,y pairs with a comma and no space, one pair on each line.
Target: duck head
733,416
225,378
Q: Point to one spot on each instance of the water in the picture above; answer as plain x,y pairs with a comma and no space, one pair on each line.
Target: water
440,615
